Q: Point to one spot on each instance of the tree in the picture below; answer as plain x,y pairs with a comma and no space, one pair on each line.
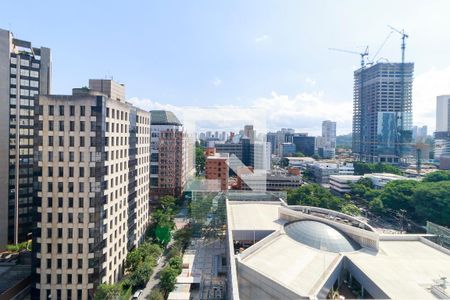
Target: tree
314,195
168,278
350,209
398,194
134,258
107,292
167,202
183,236
362,168
139,278
367,182
376,206
200,160
200,208
299,154
441,175
155,294
432,202
284,162
176,263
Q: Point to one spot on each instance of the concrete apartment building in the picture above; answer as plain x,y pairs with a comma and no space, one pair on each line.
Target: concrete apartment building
216,169
382,113
25,71
442,134
92,164
171,155
326,144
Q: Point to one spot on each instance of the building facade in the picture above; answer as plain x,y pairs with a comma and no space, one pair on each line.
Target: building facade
171,155
304,144
382,113
92,164
327,147
442,134
25,72
217,170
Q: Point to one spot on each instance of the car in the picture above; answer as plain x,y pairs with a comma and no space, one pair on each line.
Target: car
137,294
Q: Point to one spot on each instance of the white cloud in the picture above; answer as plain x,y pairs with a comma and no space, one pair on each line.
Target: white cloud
426,87
217,81
310,81
262,39
304,112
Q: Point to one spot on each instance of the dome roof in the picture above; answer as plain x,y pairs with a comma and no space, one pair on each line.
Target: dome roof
163,117
320,236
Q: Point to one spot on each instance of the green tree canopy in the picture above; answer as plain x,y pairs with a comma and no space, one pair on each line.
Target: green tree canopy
107,292
441,175
350,209
432,202
314,195
397,195
155,294
376,206
167,202
200,160
168,278
362,168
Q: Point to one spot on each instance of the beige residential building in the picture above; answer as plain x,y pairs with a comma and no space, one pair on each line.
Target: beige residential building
92,170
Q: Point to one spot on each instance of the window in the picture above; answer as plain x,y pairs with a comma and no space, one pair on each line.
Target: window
72,110
61,125
61,110
50,140
82,110
72,125
51,110
34,74
81,125
71,141
50,125
81,141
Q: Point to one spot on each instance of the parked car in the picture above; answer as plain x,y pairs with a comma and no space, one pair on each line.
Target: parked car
137,294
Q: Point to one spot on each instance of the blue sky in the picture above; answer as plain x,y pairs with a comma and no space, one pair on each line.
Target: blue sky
271,54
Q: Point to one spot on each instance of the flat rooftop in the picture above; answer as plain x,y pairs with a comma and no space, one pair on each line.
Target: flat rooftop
404,269
255,215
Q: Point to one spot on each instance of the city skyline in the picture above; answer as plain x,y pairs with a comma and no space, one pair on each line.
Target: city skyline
264,56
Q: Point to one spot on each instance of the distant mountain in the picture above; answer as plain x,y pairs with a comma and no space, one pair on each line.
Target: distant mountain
344,141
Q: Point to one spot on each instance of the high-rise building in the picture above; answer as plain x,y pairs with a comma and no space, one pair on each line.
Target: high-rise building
92,164
419,134
249,132
171,155
382,112
327,149
304,143
442,134
25,72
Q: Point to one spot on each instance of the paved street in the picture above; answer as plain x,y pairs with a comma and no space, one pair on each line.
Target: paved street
154,279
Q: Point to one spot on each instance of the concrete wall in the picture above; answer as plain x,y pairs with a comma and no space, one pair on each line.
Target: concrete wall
4,135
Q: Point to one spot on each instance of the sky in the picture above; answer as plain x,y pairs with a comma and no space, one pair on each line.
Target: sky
264,55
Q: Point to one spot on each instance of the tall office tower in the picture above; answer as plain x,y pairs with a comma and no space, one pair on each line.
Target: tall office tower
304,143
327,148
171,165
92,164
25,72
442,134
419,134
271,137
382,113
249,132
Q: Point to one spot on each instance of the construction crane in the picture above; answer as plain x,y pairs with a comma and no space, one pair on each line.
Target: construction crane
381,47
361,84
399,150
362,54
404,37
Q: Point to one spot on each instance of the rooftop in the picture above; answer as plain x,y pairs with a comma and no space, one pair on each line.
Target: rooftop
164,117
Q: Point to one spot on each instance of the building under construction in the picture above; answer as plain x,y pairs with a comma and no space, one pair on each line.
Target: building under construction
382,113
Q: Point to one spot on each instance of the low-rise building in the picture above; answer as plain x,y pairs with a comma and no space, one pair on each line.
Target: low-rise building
341,184
301,252
216,171
268,181
379,180
322,171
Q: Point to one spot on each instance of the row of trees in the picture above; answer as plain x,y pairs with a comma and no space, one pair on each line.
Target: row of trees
316,195
428,200
362,168
140,262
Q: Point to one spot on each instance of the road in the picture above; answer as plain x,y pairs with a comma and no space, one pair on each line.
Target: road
154,279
